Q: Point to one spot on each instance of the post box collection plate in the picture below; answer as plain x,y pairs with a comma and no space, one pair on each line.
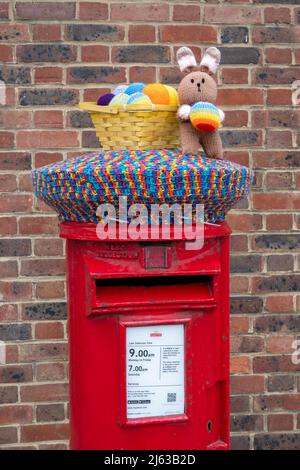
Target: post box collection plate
155,370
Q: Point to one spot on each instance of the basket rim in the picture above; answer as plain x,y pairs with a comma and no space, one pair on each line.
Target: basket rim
93,107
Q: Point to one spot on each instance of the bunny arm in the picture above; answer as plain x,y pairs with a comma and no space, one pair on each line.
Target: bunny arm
184,112
222,114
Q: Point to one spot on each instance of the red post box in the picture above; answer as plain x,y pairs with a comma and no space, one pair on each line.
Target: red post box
148,328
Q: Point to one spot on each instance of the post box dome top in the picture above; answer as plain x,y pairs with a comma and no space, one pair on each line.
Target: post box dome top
76,187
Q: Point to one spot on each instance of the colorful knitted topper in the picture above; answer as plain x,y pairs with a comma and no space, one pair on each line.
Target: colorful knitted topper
205,116
76,187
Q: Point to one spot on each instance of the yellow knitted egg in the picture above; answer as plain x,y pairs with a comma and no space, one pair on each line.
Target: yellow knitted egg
173,95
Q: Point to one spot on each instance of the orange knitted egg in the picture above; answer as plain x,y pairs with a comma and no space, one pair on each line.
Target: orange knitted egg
157,93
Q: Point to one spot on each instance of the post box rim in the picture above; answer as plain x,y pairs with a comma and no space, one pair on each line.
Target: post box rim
87,231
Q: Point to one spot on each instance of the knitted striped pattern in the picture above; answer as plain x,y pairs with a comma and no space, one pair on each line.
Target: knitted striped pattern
76,187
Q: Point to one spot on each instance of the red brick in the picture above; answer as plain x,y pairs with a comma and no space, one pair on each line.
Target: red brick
48,75
16,119
244,222
141,33
38,225
49,330
187,33
232,14
279,221
274,159
48,247
279,96
50,290
16,414
92,94
8,225
279,139
279,304
8,183
50,372
139,12
4,10
235,97
276,200
7,139
13,291
49,119
8,269
239,243
42,352
25,182
94,53
279,344
45,158
234,76
47,139
247,384
280,422
16,203
186,12
142,74
237,118
50,412
241,157
239,285
275,55
16,373
14,32
44,432
46,32
42,267
278,180
93,11
45,10
44,392
240,365
239,325
8,313
6,53
8,435
277,15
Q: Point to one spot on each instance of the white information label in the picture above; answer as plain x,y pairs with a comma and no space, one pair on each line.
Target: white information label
155,370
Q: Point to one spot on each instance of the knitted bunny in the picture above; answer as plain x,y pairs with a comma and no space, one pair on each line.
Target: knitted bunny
198,85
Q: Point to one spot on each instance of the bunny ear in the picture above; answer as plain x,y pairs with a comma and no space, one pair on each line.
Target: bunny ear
211,59
185,58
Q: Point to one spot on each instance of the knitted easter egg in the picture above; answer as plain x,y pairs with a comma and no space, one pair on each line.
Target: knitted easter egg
134,88
104,100
157,93
205,116
119,89
121,98
139,98
173,95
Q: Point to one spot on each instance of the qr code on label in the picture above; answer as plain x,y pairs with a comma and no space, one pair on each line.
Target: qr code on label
171,397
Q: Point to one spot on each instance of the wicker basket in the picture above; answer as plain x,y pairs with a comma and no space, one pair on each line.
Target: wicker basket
133,127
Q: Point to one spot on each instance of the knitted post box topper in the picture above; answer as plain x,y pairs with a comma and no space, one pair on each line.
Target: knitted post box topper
198,85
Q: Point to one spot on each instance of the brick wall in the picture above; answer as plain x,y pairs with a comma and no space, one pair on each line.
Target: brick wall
57,53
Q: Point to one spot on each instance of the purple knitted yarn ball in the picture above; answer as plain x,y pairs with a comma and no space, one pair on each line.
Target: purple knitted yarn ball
104,100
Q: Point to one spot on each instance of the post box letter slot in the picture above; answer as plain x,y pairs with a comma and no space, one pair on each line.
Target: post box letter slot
135,294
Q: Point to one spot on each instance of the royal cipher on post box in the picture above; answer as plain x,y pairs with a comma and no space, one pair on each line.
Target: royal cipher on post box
148,329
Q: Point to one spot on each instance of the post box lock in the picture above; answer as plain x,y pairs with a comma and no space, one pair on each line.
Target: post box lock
156,256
